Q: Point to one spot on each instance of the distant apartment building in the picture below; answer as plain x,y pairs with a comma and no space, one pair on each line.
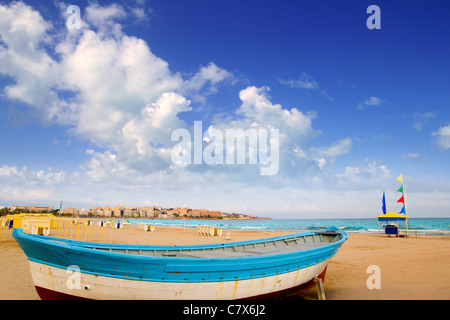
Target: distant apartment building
163,215
150,212
146,212
142,213
182,212
116,213
170,215
83,212
127,213
214,214
95,211
194,213
33,209
203,213
71,211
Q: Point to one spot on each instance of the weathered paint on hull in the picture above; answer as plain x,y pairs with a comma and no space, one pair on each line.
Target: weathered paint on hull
52,284
116,271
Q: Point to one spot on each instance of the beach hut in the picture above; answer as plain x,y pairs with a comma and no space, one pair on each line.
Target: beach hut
22,219
388,220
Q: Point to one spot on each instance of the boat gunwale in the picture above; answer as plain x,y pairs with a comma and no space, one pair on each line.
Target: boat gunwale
103,248
175,269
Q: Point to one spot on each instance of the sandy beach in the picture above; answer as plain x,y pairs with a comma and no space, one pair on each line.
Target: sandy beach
410,268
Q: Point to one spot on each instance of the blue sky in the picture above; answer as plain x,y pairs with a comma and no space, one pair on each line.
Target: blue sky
87,114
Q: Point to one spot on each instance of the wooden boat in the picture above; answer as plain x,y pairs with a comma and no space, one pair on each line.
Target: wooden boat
264,268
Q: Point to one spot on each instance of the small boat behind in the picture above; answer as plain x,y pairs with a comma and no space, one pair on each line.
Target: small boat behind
263,268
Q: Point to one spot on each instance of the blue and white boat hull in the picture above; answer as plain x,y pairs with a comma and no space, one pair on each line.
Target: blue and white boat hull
255,269
52,283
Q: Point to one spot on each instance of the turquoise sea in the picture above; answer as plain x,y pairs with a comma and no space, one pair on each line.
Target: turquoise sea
428,226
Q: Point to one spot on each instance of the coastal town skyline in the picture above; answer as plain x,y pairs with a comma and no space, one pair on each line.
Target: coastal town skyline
152,212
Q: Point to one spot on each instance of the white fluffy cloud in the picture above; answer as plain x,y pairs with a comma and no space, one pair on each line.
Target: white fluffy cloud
101,17
110,89
421,119
256,107
23,34
370,102
304,82
368,175
211,73
116,76
122,97
443,137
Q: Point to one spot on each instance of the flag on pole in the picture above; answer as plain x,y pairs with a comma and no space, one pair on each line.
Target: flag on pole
403,210
400,189
402,199
384,204
400,178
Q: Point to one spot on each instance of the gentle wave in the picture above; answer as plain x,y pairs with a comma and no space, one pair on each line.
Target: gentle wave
425,226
